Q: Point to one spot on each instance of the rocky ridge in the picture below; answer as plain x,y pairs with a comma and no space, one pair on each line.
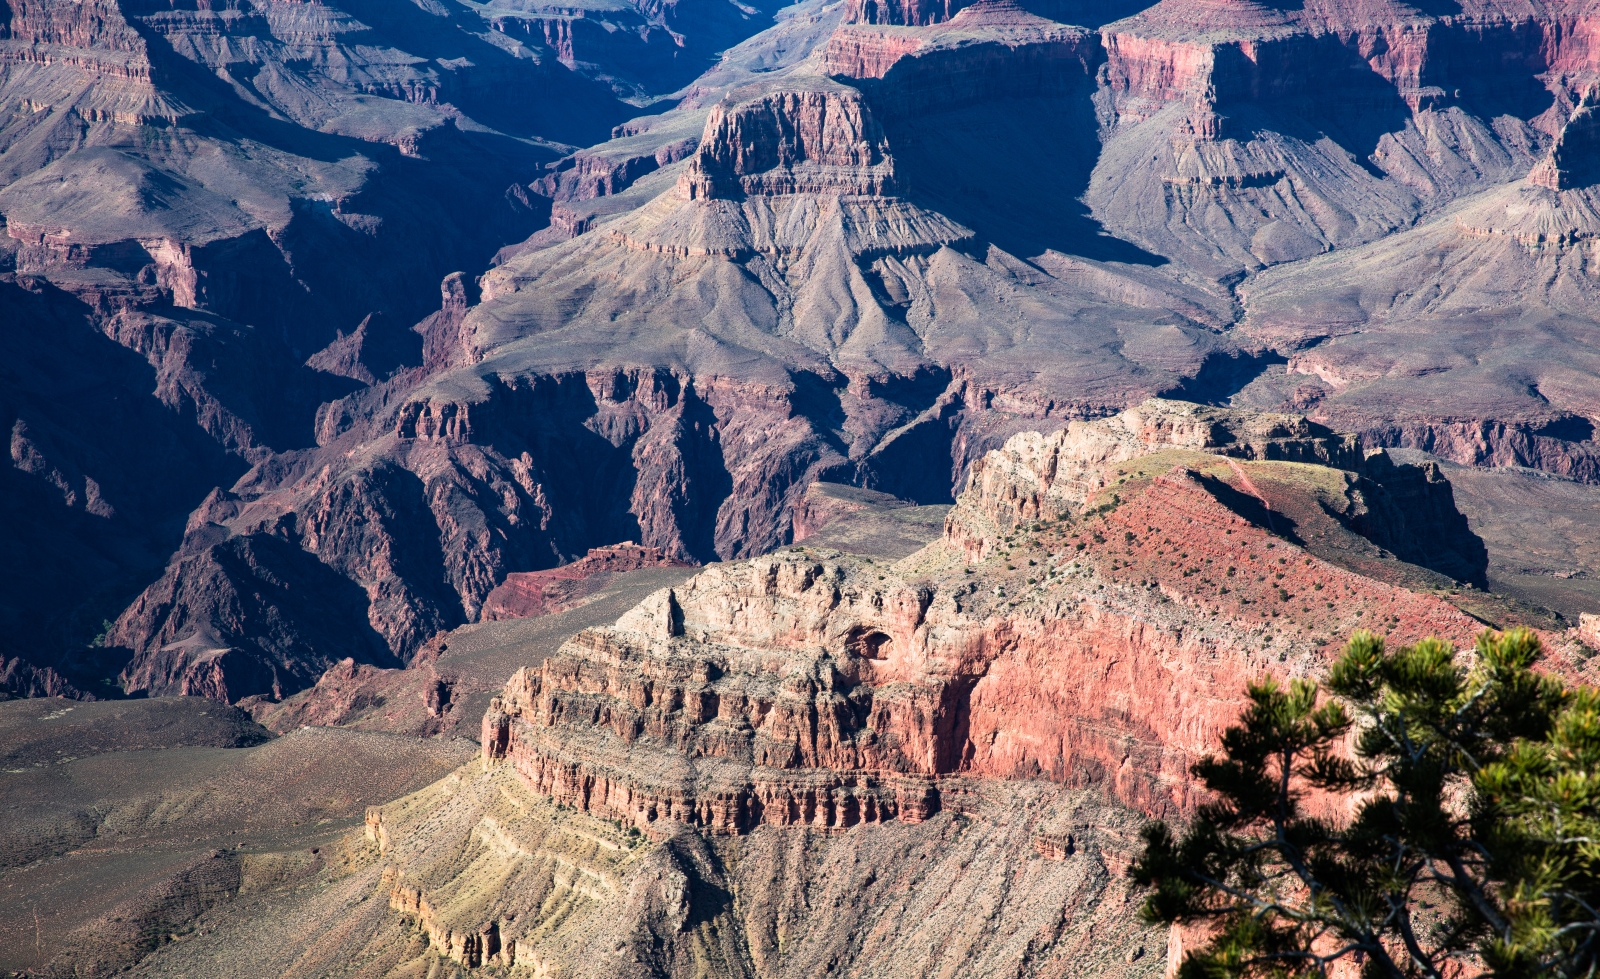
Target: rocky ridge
528,593
195,239
813,263
1006,703
1341,334
574,896
903,246
1040,477
257,202
831,693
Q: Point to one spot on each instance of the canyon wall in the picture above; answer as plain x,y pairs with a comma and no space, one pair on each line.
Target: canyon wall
795,142
790,690
808,761
869,246
194,241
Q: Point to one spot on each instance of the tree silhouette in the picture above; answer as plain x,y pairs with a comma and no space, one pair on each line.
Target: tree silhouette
1428,815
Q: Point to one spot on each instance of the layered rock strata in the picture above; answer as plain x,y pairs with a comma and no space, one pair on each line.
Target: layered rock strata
1411,365
576,896
788,143
196,203
991,51
638,49
796,691
413,532
869,246
1039,476
1270,136
1571,161
808,762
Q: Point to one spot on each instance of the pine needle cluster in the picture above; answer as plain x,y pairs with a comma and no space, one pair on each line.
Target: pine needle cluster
1422,814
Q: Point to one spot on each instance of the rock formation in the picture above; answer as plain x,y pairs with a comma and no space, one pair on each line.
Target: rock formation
1341,332
1407,509
528,593
1571,161
343,338
792,142
892,739
638,49
868,245
792,690
189,281
347,691
20,678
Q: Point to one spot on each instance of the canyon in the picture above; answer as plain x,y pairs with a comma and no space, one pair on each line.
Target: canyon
402,337
838,761
754,490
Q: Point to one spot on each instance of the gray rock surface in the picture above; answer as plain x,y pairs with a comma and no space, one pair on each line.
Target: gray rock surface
719,254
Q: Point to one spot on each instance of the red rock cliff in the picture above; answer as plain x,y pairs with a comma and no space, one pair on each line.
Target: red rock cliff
1107,647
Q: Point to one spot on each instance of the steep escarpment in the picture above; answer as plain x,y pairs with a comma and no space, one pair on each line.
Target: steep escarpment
1407,509
800,255
791,142
811,362
422,523
928,13
1394,339
1271,135
285,229
347,346
1022,880
868,246
808,761
987,52
638,49
86,429
791,690
811,292
1570,164
206,194
1229,137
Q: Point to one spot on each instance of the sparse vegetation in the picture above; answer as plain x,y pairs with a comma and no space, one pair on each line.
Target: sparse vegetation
1474,844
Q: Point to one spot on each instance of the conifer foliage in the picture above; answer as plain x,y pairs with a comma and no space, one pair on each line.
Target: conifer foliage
1425,815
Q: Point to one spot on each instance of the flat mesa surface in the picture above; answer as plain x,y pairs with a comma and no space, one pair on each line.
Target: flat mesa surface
483,656
887,535
1542,531
98,845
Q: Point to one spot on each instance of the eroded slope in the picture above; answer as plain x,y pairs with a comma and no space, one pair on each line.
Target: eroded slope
812,762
